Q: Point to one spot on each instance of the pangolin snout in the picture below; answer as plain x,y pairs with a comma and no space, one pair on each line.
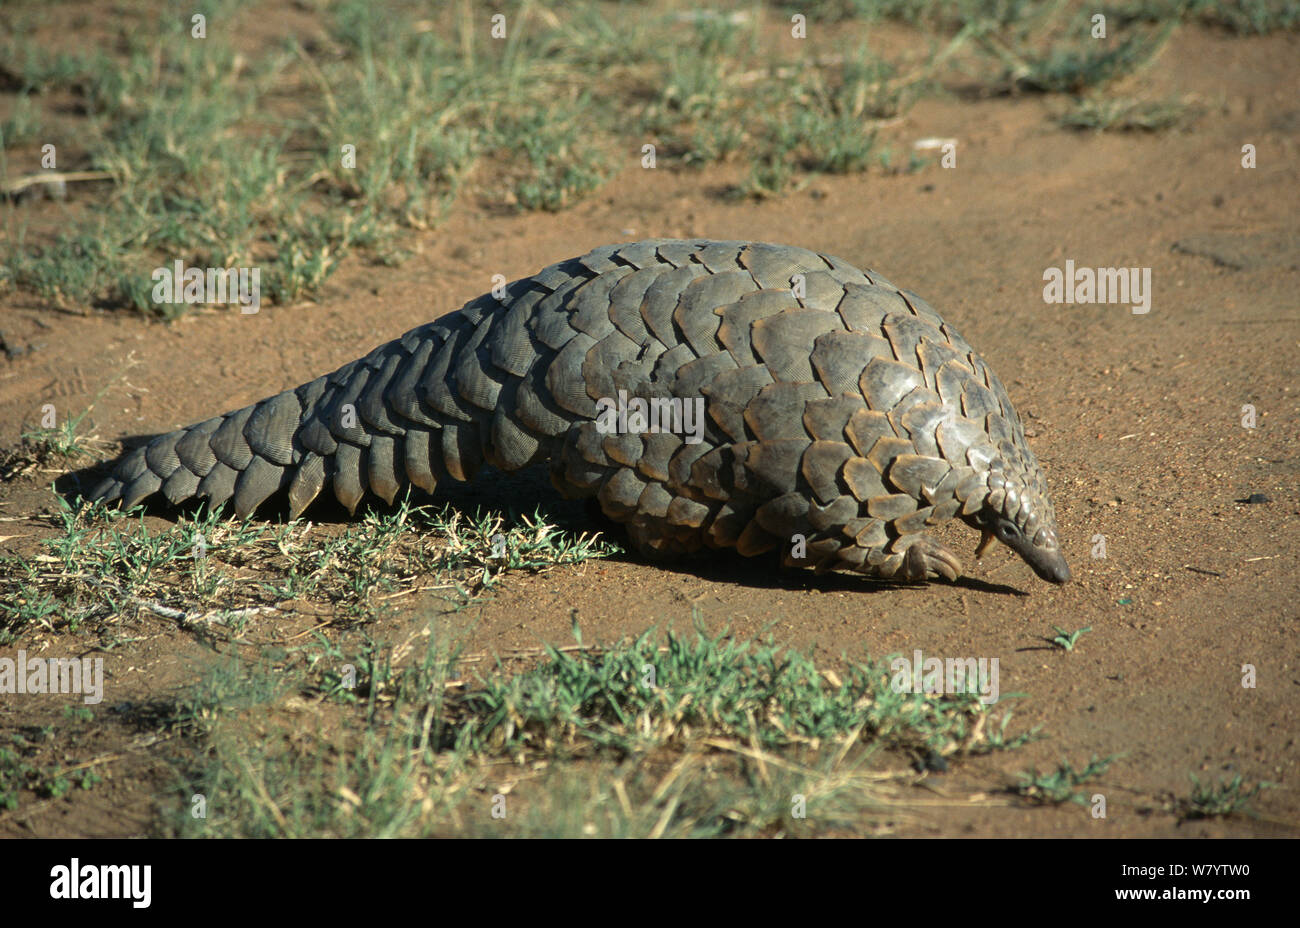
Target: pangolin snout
1050,565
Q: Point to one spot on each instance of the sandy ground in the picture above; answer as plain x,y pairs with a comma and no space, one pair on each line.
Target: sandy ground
1136,418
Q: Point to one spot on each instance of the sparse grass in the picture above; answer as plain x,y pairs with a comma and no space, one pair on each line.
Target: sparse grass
226,156
207,570
672,735
64,440
1248,17
21,126
1126,114
641,695
562,167
1087,63
19,771
823,129
1050,48
1058,786
1227,797
64,445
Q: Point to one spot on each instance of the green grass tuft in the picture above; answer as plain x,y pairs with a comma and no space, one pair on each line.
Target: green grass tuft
1058,786
1215,800
1126,114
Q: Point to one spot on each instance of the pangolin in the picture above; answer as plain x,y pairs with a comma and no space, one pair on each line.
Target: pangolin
842,416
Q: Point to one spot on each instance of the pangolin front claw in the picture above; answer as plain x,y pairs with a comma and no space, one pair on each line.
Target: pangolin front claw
927,557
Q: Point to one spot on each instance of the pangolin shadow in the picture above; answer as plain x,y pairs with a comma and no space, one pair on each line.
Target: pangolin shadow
523,493
767,572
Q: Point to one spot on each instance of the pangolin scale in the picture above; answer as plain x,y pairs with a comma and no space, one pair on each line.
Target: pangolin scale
843,417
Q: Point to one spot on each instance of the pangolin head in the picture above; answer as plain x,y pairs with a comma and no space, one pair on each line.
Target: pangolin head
1020,515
